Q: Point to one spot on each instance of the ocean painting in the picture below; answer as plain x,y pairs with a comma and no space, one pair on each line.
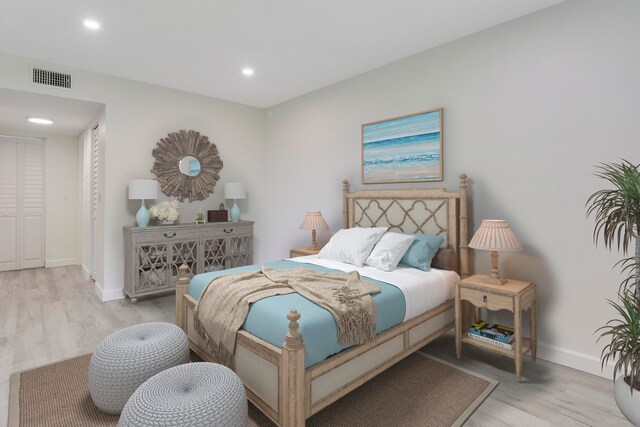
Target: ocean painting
403,149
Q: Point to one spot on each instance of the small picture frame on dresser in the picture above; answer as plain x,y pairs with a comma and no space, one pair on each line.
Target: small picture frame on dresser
200,217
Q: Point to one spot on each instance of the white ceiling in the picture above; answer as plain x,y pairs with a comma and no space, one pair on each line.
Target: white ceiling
295,46
70,117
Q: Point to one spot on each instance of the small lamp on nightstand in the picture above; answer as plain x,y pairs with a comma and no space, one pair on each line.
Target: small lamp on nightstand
495,235
313,221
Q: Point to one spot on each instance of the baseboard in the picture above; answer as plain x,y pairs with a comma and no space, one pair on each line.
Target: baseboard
109,295
62,262
571,359
86,273
574,359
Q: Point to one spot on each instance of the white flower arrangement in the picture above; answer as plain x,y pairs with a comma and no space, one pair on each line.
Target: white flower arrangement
165,211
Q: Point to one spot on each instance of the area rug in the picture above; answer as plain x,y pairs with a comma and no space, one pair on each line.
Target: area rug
420,391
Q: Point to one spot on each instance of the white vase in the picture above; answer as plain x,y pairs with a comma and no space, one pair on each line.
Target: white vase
628,403
165,222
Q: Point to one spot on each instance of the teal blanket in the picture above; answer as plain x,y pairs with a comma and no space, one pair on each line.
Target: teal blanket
267,318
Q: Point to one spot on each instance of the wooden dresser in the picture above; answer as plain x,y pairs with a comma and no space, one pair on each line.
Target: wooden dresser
154,254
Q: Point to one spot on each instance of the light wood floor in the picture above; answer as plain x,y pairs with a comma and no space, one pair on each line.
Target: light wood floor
52,314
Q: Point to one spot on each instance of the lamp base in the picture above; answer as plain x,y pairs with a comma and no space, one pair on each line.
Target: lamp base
235,212
314,245
494,281
494,277
142,217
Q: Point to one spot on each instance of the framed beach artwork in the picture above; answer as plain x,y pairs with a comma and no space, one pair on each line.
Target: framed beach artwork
403,149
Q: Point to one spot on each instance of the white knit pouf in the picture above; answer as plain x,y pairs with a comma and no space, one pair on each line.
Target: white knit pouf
129,357
192,395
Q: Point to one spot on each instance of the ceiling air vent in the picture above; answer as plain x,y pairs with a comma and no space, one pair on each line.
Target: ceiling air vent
51,78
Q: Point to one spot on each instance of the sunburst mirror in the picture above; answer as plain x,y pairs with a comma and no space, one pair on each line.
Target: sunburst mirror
187,165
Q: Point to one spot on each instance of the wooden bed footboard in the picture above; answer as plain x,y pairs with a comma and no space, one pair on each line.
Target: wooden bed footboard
276,380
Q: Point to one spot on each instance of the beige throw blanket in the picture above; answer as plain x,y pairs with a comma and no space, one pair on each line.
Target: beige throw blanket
224,304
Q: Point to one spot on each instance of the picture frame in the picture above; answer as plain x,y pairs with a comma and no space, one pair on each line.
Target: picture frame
403,149
200,218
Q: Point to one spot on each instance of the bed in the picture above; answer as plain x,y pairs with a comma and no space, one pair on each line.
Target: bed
279,379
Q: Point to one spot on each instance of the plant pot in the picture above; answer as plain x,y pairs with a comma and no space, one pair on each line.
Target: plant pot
629,404
165,222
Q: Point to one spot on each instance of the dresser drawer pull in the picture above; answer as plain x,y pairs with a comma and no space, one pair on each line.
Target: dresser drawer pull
228,231
169,237
484,298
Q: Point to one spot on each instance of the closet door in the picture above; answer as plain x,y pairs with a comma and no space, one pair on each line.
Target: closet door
21,203
31,219
8,203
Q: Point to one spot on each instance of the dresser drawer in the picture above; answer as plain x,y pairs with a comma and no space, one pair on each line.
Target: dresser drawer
484,299
227,230
167,234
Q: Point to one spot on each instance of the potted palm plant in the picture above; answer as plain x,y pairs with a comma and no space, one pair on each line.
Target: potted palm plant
617,215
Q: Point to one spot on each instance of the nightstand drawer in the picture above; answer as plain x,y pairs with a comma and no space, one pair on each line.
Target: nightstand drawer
489,300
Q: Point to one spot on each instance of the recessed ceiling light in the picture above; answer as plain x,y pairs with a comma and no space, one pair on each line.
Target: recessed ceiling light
40,121
91,24
247,71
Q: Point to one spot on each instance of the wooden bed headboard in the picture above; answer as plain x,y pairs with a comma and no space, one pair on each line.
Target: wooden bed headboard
426,211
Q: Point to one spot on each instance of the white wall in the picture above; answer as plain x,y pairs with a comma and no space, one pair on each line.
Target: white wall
62,201
529,107
61,197
137,115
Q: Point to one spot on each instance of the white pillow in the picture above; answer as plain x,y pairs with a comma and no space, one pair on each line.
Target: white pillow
389,250
352,245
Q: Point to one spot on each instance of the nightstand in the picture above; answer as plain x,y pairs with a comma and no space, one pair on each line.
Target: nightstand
303,251
515,296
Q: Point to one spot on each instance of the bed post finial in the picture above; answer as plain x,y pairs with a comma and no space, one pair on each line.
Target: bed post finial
291,383
181,289
345,206
293,338
464,230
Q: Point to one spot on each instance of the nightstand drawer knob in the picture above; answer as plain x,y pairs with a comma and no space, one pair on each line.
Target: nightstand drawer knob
228,231
484,298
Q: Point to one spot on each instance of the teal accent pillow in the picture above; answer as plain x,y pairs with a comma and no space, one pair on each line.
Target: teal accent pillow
422,251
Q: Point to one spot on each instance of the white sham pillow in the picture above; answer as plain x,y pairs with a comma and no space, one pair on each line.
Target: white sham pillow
352,245
389,250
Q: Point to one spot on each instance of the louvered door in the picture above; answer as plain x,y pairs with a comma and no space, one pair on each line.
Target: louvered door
95,198
21,203
8,203
31,195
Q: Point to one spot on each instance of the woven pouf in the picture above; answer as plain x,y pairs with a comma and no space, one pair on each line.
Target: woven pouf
129,357
191,395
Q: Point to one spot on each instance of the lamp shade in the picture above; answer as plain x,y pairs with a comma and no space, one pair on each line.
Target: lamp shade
495,235
234,190
143,189
313,220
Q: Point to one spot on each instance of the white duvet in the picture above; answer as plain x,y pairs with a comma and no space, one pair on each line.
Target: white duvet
423,290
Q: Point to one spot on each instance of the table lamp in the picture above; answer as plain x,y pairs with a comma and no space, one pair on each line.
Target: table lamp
143,189
495,235
313,221
235,191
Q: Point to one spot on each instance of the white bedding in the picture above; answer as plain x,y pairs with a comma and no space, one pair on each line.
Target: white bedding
423,290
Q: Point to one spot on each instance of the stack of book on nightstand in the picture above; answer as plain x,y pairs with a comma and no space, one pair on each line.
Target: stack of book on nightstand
492,333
